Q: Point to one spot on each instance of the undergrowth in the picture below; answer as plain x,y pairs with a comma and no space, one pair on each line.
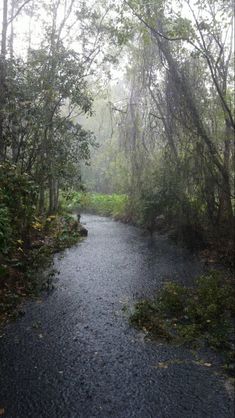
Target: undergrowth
200,316
101,204
25,272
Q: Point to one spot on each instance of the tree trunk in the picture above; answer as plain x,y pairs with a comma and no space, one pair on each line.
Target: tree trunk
51,195
209,195
41,205
3,78
11,39
56,203
225,214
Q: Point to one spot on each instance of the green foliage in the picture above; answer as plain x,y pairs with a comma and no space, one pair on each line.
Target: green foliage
31,271
172,299
180,28
40,135
5,230
211,300
67,233
17,201
108,205
146,318
150,206
202,313
168,147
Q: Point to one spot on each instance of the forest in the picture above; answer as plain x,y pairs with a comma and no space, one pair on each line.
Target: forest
124,109
141,93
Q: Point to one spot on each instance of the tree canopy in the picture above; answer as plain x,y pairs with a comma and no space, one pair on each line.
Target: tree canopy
126,96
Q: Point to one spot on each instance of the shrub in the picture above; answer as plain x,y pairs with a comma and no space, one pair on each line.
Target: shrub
172,299
5,230
18,196
202,313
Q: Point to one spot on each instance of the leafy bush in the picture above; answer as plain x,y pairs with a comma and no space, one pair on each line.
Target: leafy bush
146,316
27,272
18,196
202,313
172,299
5,230
212,299
27,242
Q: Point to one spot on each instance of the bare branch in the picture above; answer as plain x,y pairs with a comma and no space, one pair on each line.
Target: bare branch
18,11
153,30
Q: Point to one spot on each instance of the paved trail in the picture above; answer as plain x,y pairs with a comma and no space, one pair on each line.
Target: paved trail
74,355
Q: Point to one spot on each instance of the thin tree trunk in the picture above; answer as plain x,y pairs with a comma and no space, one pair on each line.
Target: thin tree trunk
11,40
14,136
3,78
56,195
225,215
41,206
51,195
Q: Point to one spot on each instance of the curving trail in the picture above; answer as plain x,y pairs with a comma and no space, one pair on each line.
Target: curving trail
74,355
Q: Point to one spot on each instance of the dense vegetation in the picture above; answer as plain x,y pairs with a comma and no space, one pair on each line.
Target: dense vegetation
167,141
27,239
43,83
198,316
114,205
130,101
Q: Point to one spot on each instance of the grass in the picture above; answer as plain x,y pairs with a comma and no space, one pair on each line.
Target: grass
202,315
114,205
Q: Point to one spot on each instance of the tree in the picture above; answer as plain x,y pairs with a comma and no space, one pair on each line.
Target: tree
206,44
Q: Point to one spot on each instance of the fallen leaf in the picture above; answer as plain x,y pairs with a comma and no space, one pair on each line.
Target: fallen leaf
162,365
207,364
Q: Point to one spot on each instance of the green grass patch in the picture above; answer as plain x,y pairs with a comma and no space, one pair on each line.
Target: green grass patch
201,315
114,205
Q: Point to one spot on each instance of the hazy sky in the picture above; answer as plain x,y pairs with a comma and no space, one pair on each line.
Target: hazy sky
23,23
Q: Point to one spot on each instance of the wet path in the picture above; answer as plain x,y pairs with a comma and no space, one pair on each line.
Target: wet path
74,355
